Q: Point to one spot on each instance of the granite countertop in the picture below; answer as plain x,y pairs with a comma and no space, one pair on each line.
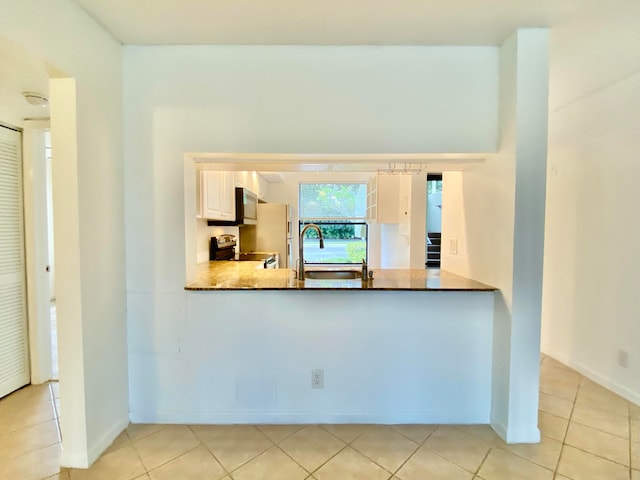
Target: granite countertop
233,275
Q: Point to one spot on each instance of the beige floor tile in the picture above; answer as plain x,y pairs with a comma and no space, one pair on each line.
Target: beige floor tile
33,465
579,465
26,396
559,387
482,432
138,431
311,447
271,465
564,375
546,453
635,455
635,429
347,432
28,439
552,426
123,464
121,441
502,465
143,477
602,420
458,447
417,433
56,404
550,362
197,464
426,464
634,411
350,465
206,433
599,443
165,445
555,405
239,445
27,416
591,393
63,475
635,475
277,433
385,446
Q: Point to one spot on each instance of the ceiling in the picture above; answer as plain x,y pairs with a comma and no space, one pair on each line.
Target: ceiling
328,22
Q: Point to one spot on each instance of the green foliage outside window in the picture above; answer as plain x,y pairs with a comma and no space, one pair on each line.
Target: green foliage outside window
333,200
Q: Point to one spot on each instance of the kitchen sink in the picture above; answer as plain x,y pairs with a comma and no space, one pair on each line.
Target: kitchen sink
332,274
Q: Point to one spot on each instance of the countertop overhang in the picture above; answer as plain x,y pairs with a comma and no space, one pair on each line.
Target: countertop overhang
233,275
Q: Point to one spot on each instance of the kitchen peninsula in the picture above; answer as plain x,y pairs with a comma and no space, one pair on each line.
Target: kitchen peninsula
231,275
410,347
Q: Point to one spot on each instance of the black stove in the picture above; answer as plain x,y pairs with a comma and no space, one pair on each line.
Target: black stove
222,248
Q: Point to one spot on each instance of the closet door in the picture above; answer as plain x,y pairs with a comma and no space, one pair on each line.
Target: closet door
14,355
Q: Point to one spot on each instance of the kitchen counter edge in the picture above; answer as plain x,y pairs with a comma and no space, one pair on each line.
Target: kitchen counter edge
229,275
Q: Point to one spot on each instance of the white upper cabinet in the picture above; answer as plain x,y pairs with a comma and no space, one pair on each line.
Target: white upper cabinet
389,200
217,195
254,182
384,199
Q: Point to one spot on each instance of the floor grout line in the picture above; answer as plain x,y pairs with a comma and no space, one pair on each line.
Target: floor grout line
420,445
584,395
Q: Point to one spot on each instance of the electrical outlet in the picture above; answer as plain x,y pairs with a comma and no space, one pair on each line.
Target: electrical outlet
317,378
623,358
453,246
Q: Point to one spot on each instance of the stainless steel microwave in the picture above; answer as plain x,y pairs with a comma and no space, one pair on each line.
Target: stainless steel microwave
246,207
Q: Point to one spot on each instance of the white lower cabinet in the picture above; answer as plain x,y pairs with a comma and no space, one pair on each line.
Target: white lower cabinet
217,195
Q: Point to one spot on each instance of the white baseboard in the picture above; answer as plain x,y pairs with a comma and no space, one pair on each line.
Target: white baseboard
597,377
512,436
80,460
500,429
222,418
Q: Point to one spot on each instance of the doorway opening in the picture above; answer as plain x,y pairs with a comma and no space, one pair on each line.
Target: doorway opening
434,220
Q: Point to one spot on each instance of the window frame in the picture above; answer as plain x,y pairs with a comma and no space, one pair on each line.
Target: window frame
324,221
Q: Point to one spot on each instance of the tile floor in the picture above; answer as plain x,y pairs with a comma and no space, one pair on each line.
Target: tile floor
588,434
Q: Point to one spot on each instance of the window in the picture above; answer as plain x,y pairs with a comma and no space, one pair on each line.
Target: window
339,209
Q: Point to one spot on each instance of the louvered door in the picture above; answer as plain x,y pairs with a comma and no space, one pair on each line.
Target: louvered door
14,360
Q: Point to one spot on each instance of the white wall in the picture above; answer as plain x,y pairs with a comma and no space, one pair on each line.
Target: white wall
500,233
590,306
247,356
86,119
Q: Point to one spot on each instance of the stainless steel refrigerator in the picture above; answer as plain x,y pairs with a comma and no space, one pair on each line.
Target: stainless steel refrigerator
274,231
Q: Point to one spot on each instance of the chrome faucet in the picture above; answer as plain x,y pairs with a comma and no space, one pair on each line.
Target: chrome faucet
301,247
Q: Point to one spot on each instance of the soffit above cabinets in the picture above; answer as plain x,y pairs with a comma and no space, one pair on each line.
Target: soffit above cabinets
269,164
